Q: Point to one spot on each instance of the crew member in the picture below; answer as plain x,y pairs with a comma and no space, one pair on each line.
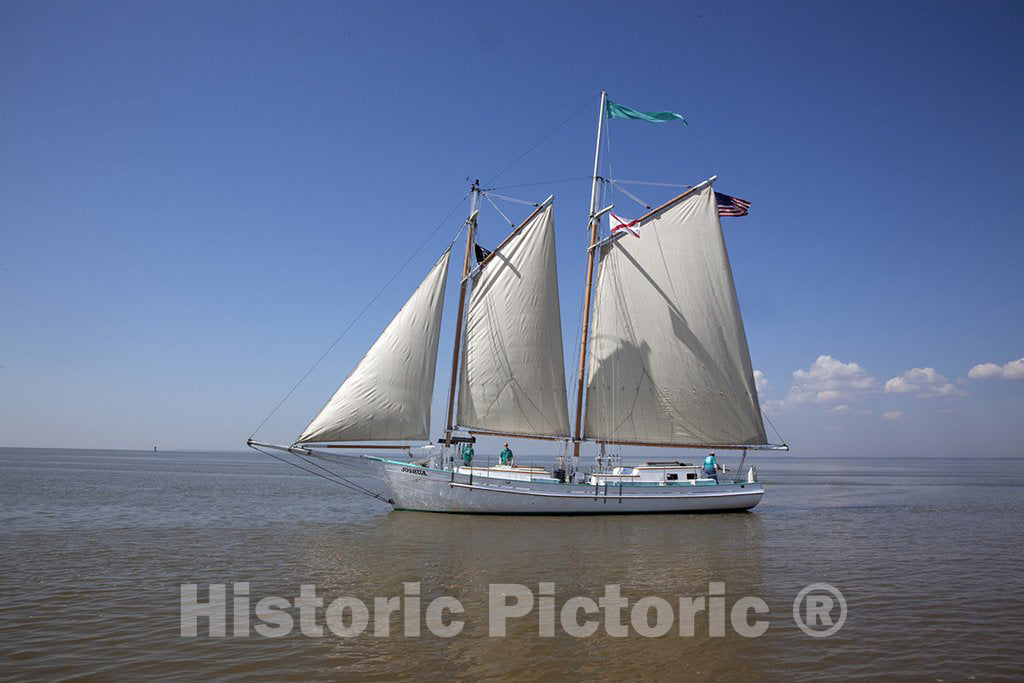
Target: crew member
711,467
467,454
506,455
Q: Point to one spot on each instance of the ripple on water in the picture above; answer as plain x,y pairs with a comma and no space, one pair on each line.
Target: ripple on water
97,543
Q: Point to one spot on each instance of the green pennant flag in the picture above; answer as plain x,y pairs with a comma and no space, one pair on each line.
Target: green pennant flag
617,111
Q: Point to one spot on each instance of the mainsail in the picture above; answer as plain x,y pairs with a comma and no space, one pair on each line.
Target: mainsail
669,363
387,396
513,373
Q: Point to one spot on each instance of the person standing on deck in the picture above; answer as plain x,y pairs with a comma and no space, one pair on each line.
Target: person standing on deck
467,454
711,467
506,455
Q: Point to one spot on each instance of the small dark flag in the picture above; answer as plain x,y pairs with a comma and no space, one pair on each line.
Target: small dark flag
481,253
731,206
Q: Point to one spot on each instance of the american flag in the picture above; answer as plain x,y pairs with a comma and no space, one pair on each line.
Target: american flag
731,206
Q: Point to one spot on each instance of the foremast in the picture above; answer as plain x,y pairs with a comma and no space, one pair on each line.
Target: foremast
508,371
471,222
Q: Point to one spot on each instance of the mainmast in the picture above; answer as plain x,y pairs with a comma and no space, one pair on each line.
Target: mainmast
595,221
459,322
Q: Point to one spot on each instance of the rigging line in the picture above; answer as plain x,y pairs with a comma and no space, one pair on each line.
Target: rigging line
607,189
538,143
359,487
365,308
313,472
335,474
510,199
321,467
631,196
491,201
340,461
644,182
765,416
543,182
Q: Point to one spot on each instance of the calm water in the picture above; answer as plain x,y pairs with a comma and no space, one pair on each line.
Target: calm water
95,545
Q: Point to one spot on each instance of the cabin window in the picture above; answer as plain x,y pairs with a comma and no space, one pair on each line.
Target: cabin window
672,477
691,475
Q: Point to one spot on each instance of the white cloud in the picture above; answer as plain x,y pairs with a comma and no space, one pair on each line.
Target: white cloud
894,415
829,380
922,383
760,383
1012,370
847,409
985,371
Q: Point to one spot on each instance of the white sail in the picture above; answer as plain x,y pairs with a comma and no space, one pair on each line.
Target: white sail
669,363
513,375
387,396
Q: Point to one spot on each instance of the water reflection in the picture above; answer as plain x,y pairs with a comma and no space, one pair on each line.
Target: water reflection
660,555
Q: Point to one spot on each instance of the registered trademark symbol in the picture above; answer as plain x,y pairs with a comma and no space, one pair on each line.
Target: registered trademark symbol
812,610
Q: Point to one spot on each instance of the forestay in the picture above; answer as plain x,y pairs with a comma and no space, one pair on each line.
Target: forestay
387,396
513,374
669,363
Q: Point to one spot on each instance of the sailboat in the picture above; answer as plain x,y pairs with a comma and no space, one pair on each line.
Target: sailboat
663,363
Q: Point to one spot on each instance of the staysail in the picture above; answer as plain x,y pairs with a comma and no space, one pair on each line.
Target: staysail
513,373
387,396
669,363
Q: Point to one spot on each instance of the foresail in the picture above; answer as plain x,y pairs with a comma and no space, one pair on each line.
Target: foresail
387,396
513,373
669,363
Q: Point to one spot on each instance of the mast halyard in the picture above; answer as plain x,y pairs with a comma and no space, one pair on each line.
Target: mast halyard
460,316
595,220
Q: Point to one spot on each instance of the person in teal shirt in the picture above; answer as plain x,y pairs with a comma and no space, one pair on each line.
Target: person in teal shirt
506,455
711,467
467,454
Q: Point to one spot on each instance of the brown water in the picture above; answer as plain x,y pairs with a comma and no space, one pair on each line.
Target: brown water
95,545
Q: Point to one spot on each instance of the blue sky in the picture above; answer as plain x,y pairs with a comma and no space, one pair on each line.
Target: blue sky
196,198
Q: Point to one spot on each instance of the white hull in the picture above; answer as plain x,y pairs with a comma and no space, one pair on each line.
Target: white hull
412,487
